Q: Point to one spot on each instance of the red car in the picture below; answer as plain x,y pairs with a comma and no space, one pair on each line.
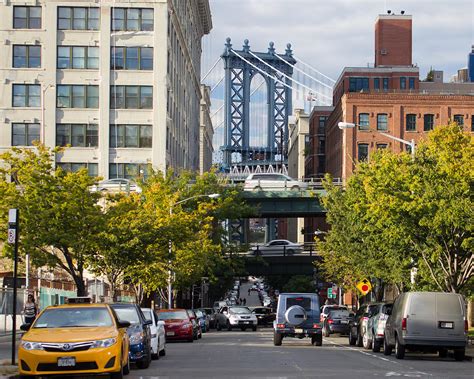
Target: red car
178,325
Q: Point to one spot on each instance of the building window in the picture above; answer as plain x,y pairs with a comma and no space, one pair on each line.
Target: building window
92,168
377,83
363,121
385,83
459,119
26,17
130,135
382,146
322,124
403,83
131,58
128,170
25,134
472,123
428,122
382,121
77,18
78,57
358,84
77,135
363,152
26,56
411,83
131,97
77,96
410,123
26,95
132,19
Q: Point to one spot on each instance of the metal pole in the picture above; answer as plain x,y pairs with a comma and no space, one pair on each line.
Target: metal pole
170,287
192,296
27,280
13,227
412,145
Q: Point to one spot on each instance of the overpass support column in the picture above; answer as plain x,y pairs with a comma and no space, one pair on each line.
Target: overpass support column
270,229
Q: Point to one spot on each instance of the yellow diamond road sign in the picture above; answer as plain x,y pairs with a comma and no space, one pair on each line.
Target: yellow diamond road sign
364,286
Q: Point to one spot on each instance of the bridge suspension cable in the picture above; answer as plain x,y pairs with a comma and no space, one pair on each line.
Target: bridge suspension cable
212,68
303,72
217,84
312,68
286,76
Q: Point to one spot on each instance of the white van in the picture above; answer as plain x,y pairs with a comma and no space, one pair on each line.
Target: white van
429,321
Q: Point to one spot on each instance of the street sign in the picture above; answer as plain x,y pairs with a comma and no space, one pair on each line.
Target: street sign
11,235
330,293
364,286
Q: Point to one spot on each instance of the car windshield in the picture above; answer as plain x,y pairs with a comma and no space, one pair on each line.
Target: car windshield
208,311
127,314
199,314
338,313
302,301
147,314
74,317
176,315
239,310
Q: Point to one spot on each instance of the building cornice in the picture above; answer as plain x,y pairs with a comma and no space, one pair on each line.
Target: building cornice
205,15
399,97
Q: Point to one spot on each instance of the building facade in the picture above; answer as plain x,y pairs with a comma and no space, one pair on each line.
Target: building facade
118,81
206,131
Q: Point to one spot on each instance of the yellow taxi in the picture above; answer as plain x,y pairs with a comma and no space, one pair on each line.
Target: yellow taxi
75,338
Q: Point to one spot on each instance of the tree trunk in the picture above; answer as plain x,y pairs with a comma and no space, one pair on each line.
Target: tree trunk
81,287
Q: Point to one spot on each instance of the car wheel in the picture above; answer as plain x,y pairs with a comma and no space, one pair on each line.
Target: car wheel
277,339
162,352
443,353
126,369
459,354
290,252
387,349
399,349
200,334
254,328
317,340
375,345
352,339
145,362
366,342
229,327
295,188
359,341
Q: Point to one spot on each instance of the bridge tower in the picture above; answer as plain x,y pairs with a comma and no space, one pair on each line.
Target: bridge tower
240,68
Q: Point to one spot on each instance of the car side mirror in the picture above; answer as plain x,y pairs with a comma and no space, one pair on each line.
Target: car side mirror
148,322
123,324
25,327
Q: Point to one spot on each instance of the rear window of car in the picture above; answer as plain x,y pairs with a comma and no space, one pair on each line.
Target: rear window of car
338,313
178,315
304,302
129,314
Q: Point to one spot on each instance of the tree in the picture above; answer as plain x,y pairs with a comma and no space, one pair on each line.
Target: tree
299,283
397,213
59,217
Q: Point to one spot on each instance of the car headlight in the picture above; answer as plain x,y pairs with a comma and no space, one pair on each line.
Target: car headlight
27,345
186,326
103,343
136,337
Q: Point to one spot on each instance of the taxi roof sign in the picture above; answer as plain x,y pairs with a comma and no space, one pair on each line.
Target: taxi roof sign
79,300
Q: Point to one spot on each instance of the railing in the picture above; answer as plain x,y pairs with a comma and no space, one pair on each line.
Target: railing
308,249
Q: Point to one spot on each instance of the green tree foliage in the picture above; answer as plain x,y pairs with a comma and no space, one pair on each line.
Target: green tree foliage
299,283
396,214
59,217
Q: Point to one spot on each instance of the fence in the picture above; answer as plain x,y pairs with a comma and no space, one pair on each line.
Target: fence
6,309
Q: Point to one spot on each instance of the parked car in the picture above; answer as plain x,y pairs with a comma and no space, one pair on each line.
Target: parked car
178,325
358,325
337,321
429,321
277,247
265,315
158,334
233,317
376,326
116,185
211,314
297,316
219,304
325,309
77,339
272,182
202,320
138,332
197,332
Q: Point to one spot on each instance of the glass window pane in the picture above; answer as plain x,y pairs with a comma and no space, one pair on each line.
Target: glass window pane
93,57
19,56
78,132
78,57
20,18
93,169
117,59
411,122
18,134
34,60
363,121
146,58
131,136
147,19
118,19
363,152
133,17
145,136
92,135
64,18
94,20
34,96
381,122
35,18
79,21
35,12
78,96
63,96
63,57
403,83
130,171
62,134
93,97
131,95
117,97
116,136
132,58
459,119
146,97
19,95
33,133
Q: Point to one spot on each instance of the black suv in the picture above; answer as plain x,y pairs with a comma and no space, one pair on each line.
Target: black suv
297,316
138,332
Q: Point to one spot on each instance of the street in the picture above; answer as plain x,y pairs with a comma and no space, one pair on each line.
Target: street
239,354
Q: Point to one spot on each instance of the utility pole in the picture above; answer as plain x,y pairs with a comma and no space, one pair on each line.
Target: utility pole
13,231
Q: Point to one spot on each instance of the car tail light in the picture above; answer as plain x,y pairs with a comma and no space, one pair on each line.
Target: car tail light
281,326
404,324
330,321
316,326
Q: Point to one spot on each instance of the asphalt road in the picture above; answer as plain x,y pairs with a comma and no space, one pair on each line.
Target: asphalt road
240,354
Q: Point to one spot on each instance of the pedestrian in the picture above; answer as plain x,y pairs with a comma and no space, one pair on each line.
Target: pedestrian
245,301
249,292
30,310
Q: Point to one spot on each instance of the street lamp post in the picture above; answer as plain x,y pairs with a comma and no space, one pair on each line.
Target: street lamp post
170,245
350,125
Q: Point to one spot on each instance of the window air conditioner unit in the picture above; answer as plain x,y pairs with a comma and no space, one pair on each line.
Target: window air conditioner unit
7,42
383,52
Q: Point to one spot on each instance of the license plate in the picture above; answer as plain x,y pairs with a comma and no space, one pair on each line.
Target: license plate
344,321
446,325
170,333
66,362
298,330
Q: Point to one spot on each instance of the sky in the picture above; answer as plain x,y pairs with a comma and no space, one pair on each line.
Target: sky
332,34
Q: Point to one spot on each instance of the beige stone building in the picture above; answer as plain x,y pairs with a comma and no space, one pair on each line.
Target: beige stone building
206,131
119,81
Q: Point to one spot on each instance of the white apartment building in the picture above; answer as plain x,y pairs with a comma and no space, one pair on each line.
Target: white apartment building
118,81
